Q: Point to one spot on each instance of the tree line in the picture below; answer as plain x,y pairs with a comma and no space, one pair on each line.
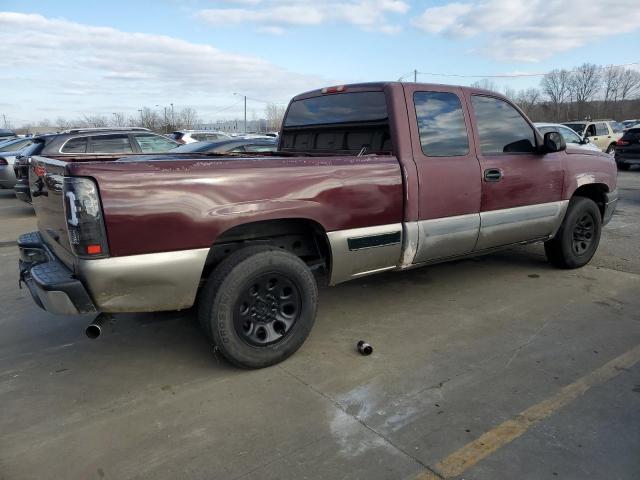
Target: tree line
589,91
161,121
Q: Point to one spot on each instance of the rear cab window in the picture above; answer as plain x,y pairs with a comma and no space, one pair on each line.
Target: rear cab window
348,123
443,132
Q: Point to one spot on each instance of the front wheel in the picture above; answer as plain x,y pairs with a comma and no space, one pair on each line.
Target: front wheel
611,149
578,237
258,306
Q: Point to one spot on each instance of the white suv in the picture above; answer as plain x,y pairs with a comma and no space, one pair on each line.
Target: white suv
602,133
191,136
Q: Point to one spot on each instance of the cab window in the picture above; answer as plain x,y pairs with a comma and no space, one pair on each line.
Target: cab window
501,128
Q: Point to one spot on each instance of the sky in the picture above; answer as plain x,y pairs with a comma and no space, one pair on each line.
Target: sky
68,58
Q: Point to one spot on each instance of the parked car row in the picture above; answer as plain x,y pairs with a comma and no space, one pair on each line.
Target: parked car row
110,144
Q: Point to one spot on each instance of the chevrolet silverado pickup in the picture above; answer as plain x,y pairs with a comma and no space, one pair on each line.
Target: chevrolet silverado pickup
367,178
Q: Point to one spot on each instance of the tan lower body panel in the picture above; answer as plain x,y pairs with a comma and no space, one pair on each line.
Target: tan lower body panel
144,283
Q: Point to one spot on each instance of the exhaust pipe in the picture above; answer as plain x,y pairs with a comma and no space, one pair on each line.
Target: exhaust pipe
95,328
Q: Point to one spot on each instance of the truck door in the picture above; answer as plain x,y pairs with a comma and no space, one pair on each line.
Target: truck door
521,188
449,179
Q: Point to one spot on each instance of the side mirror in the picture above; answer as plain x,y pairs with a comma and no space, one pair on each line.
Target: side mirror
585,140
553,142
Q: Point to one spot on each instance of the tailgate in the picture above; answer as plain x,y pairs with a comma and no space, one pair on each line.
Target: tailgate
45,182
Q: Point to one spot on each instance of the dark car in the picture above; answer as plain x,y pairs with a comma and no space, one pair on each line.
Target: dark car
628,149
254,145
95,143
6,134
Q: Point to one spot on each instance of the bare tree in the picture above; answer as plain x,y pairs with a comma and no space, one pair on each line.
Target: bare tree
96,121
150,119
629,84
555,86
186,117
528,99
585,84
118,120
485,84
275,115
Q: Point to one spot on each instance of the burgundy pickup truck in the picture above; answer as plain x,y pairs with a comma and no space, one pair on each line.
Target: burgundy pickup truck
367,178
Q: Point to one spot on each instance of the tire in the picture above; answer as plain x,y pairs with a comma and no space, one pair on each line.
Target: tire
611,149
623,166
578,237
258,306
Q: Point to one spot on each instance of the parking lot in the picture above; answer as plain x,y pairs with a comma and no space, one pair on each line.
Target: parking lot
493,367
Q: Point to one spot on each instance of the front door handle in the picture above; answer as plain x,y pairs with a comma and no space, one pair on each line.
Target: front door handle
492,175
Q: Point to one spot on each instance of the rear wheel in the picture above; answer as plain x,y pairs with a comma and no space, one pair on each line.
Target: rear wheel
258,306
578,237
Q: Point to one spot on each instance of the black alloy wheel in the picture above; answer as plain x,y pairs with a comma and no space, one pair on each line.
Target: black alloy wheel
583,233
267,309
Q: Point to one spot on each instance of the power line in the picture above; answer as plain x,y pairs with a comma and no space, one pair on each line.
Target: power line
505,75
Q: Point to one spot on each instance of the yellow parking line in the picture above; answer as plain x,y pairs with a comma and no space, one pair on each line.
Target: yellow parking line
463,459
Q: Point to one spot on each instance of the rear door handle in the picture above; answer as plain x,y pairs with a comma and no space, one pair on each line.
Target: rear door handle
492,175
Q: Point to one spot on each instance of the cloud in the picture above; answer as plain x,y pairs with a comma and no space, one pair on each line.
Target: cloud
530,30
368,15
76,66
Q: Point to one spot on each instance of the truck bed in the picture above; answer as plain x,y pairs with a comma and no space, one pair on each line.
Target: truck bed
161,204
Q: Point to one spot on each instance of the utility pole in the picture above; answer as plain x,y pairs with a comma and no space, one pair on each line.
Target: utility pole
4,117
173,120
245,112
415,76
141,119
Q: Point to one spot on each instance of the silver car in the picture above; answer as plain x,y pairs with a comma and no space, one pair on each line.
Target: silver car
8,152
572,139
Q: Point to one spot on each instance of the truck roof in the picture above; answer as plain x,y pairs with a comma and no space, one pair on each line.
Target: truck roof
373,86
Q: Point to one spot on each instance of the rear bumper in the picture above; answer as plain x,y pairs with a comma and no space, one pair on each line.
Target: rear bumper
52,285
611,200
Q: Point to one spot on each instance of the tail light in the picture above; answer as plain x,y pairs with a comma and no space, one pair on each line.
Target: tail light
3,161
622,143
84,218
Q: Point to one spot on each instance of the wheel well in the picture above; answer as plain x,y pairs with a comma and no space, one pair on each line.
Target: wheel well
304,238
596,192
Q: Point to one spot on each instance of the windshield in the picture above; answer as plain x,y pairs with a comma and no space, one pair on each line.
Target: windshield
576,127
338,109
